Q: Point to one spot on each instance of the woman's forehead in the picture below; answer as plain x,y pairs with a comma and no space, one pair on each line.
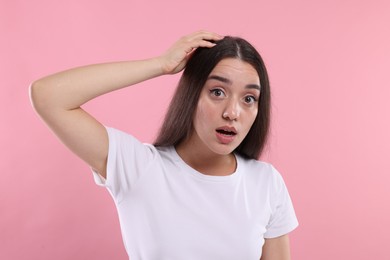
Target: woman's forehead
233,69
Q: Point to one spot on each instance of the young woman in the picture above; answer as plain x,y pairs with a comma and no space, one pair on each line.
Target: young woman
199,192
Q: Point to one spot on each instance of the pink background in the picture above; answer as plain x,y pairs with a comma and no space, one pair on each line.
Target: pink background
329,65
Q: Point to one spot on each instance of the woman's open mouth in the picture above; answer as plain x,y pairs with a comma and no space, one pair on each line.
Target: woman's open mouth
226,134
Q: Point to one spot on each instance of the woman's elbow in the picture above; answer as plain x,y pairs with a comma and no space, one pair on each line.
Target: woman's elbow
38,97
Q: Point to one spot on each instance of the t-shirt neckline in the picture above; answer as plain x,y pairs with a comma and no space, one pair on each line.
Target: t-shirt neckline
202,176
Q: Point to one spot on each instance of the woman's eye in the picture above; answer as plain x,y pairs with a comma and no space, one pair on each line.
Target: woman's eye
217,92
250,99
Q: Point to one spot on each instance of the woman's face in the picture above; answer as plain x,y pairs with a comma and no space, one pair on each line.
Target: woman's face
227,106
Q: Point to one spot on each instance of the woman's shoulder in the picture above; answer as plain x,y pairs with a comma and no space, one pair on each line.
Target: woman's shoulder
258,169
263,176
255,164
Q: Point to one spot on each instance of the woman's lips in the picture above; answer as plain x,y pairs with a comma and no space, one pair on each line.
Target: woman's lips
226,134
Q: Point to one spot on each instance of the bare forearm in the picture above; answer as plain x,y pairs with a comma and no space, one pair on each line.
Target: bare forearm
72,88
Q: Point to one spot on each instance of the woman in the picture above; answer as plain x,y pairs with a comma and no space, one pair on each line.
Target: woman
199,192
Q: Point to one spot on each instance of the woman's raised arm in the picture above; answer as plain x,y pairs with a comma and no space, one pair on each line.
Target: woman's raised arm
57,98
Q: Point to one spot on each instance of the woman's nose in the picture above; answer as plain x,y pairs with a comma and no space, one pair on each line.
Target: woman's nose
232,111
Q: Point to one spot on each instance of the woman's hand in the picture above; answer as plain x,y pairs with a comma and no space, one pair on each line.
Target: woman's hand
176,57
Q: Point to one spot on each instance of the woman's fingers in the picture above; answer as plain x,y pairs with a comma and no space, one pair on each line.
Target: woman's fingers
175,59
202,39
205,35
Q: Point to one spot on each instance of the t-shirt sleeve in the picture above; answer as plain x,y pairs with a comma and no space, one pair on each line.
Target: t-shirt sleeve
283,219
127,160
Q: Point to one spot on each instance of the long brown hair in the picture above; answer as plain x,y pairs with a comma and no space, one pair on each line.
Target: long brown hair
178,122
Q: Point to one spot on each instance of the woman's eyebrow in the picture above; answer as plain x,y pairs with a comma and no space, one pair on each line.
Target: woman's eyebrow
219,78
253,86
228,81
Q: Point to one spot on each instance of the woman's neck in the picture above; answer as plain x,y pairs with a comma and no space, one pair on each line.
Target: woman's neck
202,159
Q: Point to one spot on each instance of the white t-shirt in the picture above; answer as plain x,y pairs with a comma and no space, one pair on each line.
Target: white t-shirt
168,210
